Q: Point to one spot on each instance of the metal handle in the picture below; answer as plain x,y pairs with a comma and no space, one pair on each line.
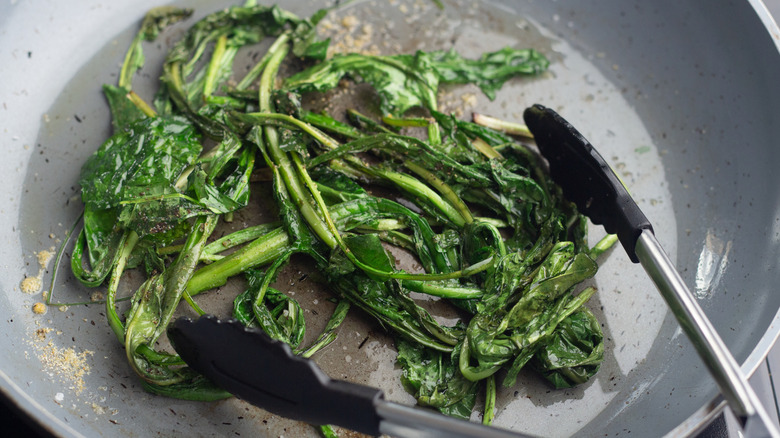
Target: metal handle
405,421
724,368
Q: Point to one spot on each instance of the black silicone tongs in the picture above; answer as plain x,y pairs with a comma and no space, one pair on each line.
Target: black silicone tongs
590,183
249,364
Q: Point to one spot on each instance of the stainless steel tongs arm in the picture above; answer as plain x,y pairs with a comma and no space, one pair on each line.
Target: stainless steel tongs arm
724,368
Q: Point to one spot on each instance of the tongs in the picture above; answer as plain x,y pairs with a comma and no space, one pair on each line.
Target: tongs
249,364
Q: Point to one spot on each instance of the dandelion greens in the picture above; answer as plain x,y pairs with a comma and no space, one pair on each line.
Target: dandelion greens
473,205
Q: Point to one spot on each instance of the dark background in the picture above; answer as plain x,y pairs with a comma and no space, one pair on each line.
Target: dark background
13,424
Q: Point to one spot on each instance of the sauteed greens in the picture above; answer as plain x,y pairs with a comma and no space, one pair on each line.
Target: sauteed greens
492,233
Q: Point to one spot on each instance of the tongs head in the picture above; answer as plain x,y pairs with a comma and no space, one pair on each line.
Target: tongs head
263,371
586,179
248,363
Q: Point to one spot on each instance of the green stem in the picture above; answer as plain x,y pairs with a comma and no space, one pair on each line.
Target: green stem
329,333
129,242
384,225
281,158
392,237
57,259
159,358
486,150
465,272
327,431
603,245
258,68
226,242
141,104
444,189
434,133
126,73
503,125
490,401
258,252
268,78
174,75
177,277
239,237
270,274
270,118
214,64
473,269
188,298
455,209
416,188
406,122
443,291
498,223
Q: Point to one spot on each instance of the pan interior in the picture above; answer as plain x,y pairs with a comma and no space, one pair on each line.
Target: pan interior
685,126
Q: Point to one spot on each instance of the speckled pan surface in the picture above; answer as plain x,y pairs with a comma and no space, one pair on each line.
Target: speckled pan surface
681,97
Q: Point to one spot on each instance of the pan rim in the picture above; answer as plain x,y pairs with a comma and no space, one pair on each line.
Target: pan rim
20,399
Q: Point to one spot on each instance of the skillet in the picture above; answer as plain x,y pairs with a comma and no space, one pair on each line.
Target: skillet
679,98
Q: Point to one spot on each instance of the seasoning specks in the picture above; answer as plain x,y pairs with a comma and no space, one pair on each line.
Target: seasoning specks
31,285
67,364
